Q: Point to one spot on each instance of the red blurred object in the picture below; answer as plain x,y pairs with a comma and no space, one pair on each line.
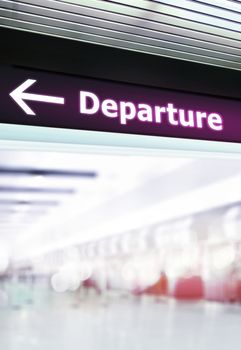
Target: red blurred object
90,283
238,290
159,288
230,290
189,288
214,291
224,290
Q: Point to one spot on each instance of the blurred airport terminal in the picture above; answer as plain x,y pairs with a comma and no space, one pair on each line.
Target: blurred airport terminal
114,250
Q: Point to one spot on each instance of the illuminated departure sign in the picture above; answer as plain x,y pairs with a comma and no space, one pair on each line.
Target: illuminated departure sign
126,111
53,100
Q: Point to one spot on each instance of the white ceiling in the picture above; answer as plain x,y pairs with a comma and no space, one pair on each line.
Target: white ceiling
204,31
41,190
52,200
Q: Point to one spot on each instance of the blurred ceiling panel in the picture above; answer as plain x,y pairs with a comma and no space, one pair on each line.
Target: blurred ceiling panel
201,31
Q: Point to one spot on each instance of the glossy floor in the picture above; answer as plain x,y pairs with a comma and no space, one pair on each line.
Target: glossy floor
126,324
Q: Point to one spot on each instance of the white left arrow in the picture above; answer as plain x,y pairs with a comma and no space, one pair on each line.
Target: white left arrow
19,95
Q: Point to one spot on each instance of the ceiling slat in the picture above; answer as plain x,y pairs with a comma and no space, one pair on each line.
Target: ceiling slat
233,5
124,36
185,9
97,39
201,31
90,8
152,29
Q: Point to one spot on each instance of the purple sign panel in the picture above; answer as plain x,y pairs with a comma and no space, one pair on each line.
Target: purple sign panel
36,98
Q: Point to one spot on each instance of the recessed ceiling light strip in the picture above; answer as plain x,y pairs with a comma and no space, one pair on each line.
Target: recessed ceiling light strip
21,189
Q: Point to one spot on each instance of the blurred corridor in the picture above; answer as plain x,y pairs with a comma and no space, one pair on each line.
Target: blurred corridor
107,251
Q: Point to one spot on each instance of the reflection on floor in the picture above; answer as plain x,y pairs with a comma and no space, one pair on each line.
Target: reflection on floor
62,323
